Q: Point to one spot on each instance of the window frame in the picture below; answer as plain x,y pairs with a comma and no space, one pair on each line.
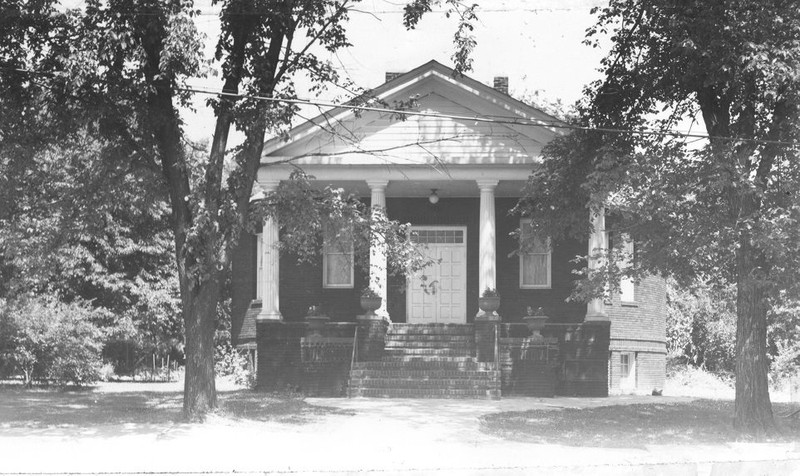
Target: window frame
625,365
522,223
627,286
325,253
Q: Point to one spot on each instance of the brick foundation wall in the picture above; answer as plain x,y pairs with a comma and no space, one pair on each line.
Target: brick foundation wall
371,339
639,329
650,370
292,357
281,367
572,361
485,339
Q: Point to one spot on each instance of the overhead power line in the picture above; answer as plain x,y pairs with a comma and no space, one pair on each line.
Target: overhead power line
8,12
491,119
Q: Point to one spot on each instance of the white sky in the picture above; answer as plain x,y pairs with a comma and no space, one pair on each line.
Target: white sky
536,43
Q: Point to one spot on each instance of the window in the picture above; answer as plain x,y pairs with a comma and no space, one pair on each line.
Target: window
534,259
627,287
337,259
627,372
625,365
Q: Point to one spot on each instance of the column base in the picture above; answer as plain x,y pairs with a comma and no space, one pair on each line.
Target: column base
596,318
483,316
269,316
372,317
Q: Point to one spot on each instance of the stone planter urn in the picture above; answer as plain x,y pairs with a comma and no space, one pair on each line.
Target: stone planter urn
489,302
370,302
316,322
535,320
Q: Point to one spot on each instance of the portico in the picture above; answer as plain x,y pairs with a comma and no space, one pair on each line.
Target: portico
439,293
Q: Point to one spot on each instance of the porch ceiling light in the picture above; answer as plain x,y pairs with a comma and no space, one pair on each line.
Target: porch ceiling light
433,198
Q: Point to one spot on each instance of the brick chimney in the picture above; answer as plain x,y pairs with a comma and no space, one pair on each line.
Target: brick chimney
391,75
501,84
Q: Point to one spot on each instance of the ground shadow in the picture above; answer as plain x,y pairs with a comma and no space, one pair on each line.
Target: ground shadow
54,411
633,426
280,407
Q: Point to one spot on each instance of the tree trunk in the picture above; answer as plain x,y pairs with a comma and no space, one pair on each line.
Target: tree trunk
199,317
753,409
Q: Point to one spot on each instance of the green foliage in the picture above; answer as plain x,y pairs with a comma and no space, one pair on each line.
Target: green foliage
369,293
84,228
305,212
490,292
48,340
725,211
784,337
701,327
228,361
464,41
113,72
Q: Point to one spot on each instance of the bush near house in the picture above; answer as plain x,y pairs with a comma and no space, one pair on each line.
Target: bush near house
701,331
701,327
45,340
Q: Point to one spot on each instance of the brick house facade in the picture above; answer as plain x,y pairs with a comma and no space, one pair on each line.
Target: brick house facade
476,170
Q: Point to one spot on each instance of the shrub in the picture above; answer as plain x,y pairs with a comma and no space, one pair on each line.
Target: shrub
701,327
228,361
783,337
45,339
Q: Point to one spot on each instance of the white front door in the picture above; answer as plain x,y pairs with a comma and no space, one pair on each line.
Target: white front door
438,294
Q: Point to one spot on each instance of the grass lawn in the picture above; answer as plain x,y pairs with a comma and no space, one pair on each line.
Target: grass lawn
631,426
140,404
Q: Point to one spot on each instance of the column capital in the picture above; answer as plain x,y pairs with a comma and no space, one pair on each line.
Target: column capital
487,184
377,184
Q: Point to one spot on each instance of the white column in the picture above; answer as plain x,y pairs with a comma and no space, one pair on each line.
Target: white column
487,264
270,264
377,247
598,243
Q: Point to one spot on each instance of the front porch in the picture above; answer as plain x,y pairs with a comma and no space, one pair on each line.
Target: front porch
485,359
472,241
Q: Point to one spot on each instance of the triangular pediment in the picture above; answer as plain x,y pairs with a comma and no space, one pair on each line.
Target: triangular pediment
451,121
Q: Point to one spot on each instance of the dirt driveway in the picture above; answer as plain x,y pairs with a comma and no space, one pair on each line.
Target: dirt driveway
118,429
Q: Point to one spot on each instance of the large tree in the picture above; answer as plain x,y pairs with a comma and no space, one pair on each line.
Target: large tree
722,206
116,70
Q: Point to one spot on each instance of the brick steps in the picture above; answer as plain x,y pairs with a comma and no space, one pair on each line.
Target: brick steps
432,363
426,352
485,383
426,361
431,338
466,346
433,329
423,393
422,374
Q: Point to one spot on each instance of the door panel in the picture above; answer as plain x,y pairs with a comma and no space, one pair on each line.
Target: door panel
438,293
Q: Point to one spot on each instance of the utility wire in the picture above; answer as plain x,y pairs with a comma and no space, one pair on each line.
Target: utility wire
492,119
206,12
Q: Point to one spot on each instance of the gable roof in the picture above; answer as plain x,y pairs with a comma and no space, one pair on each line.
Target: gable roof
454,120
